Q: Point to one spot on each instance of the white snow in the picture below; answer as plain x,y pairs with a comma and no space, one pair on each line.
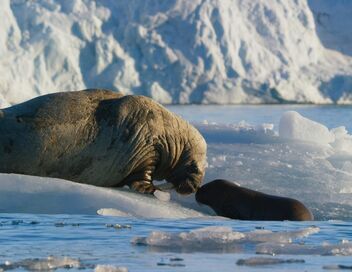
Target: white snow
203,51
163,196
295,126
27,194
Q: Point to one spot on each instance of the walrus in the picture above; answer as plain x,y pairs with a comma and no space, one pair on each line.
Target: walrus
233,201
102,138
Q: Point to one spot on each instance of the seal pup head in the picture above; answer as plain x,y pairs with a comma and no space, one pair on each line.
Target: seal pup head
236,202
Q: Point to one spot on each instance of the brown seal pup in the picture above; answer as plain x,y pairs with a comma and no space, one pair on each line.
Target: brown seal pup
102,138
230,200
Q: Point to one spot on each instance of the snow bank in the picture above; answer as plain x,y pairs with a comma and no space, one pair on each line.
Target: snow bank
204,51
295,126
27,194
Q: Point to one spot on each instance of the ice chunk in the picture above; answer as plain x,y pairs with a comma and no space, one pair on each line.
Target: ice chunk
296,127
342,249
213,238
50,263
110,268
343,142
163,196
280,237
254,261
111,212
204,239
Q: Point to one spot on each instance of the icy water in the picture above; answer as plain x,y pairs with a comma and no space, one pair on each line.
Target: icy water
91,240
319,176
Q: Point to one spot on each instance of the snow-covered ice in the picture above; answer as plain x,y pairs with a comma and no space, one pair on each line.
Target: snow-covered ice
28,194
299,165
229,51
295,126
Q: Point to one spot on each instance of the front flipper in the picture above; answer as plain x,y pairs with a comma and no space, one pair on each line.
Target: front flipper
144,187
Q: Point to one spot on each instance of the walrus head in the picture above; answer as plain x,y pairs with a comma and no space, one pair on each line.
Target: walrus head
188,173
187,177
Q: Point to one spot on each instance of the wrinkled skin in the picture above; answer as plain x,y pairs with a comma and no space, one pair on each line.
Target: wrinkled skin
102,138
230,200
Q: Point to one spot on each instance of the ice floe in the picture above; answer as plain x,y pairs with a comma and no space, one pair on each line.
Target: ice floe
217,238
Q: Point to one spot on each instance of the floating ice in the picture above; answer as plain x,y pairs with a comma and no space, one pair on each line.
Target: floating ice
48,264
217,238
110,268
112,212
342,249
280,237
255,261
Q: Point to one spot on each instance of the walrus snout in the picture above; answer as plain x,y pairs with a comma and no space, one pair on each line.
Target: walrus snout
187,177
187,187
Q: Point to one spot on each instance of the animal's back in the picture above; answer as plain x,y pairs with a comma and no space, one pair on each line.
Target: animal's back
39,136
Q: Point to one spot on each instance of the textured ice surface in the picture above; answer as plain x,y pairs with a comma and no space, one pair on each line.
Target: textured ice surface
224,239
341,249
110,268
229,51
47,264
218,238
295,126
163,196
52,263
47,195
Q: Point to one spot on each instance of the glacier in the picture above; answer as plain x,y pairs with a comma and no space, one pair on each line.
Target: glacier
179,51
